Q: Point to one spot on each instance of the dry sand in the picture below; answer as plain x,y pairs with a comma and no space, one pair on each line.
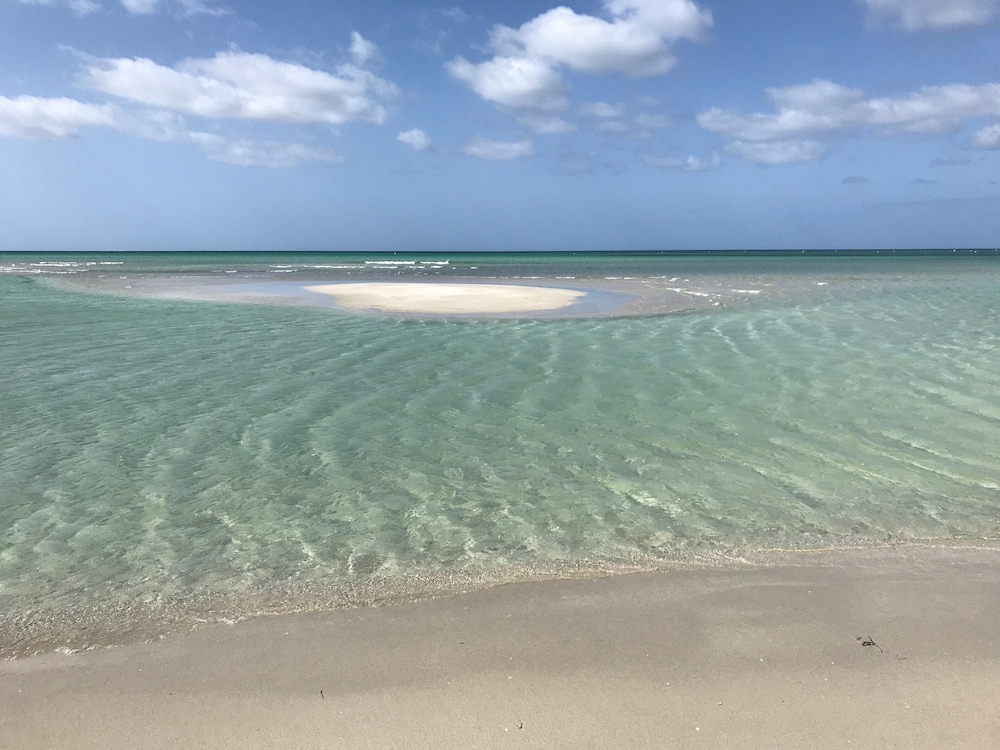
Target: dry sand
764,657
442,299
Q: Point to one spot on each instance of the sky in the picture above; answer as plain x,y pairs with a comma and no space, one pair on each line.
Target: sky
400,125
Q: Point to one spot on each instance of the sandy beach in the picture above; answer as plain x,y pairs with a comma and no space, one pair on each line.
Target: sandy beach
863,649
439,298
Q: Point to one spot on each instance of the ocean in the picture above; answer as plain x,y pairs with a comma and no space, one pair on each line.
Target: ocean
186,438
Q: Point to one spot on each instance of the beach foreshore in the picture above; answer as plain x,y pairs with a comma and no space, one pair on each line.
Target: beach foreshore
860,648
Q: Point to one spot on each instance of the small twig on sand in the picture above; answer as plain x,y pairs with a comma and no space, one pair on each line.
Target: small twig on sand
870,642
321,695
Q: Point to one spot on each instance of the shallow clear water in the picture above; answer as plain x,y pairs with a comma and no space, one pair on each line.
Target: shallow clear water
159,451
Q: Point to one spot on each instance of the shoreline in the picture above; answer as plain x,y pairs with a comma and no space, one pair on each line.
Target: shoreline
767,655
119,624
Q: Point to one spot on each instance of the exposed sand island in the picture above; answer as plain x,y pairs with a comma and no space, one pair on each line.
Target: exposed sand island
458,299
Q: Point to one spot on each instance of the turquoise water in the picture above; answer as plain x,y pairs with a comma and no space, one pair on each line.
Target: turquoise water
162,458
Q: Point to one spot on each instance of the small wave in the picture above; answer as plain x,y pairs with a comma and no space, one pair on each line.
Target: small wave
344,267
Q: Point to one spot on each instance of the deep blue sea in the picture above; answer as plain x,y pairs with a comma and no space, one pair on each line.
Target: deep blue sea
168,460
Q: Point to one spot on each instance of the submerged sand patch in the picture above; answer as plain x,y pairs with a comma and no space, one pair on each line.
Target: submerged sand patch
459,299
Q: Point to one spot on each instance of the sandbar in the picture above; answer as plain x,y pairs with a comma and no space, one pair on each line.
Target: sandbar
879,649
442,299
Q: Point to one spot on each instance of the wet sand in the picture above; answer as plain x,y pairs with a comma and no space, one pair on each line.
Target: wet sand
771,655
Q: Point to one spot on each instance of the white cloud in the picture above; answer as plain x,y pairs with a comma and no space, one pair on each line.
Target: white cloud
186,7
988,137
603,110
826,108
514,82
690,164
614,118
80,7
159,125
251,153
416,139
455,14
913,15
652,122
545,124
614,126
481,148
777,152
141,7
526,69
34,117
136,7
242,86
194,7
362,50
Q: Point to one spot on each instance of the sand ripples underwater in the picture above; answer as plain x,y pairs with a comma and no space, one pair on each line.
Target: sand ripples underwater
159,451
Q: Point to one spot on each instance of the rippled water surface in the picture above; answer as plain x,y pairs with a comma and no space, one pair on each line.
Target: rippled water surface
156,453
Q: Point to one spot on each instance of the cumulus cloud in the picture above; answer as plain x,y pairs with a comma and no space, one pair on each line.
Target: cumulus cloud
914,15
416,139
34,117
514,82
825,108
988,137
80,7
689,164
243,86
481,148
156,99
526,70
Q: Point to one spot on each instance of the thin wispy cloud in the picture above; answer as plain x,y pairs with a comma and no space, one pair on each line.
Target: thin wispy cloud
416,139
917,15
483,148
139,7
823,108
79,7
686,164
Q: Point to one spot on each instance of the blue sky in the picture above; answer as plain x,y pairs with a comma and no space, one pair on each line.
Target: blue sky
517,125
